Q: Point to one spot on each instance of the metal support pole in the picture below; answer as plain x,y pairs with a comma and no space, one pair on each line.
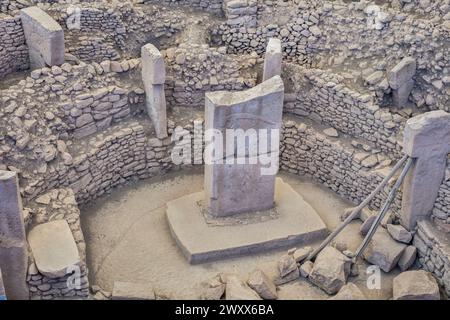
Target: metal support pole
358,209
384,210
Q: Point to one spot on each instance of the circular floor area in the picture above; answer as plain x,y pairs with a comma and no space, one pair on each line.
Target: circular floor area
128,239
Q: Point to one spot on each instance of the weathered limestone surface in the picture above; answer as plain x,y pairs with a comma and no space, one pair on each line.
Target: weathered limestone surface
13,246
44,37
132,291
427,139
54,248
415,285
154,77
258,108
273,59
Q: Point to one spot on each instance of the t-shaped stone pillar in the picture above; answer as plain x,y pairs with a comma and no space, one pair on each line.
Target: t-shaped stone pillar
13,245
273,59
154,77
427,139
242,186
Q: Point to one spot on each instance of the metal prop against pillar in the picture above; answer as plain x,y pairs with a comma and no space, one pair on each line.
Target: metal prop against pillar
358,209
384,209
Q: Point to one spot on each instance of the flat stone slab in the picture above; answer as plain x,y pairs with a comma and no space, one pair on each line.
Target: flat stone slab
54,248
201,240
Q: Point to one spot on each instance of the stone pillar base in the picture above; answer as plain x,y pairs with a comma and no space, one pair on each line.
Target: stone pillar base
203,238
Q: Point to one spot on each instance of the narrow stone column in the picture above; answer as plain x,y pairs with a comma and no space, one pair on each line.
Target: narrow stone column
44,37
273,59
13,245
154,77
427,139
401,80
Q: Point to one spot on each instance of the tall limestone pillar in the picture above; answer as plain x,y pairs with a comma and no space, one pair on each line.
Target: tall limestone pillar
13,244
427,139
154,77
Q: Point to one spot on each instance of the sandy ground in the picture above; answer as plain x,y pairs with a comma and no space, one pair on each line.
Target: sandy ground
128,239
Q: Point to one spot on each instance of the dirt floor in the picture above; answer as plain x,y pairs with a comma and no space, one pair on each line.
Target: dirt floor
128,239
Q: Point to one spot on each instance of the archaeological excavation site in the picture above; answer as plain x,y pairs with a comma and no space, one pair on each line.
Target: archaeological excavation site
224,150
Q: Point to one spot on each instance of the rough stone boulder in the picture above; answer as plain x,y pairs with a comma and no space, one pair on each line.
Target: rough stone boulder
259,282
349,292
237,289
383,251
330,270
54,248
399,233
132,291
415,285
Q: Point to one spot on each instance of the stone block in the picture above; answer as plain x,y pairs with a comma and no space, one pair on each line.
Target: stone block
259,282
415,285
383,251
330,270
157,109
44,37
54,248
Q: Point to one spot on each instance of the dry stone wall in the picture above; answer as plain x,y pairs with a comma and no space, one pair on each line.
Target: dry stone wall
13,49
441,210
214,6
325,98
194,69
433,252
352,173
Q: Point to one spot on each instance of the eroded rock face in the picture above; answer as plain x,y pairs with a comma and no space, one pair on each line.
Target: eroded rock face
383,251
265,287
330,270
132,291
415,285
236,289
350,291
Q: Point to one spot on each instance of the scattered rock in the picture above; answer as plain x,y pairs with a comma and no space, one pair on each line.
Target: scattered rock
350,291
415,285
301,254
236,289
259,282
330,270
286,265
399,233
367,224
383,251
408,257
